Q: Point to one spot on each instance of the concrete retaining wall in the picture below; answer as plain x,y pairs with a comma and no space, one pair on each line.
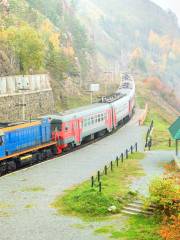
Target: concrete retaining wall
32,91
15,84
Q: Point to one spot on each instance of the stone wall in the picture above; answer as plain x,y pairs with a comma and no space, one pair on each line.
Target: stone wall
36,104
25,97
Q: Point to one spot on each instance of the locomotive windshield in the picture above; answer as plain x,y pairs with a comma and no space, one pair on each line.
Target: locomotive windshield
56,125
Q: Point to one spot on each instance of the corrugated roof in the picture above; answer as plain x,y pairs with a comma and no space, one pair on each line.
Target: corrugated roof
175,129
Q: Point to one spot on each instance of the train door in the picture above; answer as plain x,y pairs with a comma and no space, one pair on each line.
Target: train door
109,119
114,117
77,131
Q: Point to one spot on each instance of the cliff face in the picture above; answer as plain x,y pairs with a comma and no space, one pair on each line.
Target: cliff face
5,66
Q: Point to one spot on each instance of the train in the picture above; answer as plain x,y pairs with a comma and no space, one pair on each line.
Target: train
35,141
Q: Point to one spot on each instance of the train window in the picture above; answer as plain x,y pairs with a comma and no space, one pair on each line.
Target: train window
99,117
92,120
85,122
56,126
96,118
102,116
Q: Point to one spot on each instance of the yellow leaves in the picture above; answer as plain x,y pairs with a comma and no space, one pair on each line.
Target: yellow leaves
69,51
169,47
54,39
176,47
165,42
136,54
154,38
3,35
50,35
46,27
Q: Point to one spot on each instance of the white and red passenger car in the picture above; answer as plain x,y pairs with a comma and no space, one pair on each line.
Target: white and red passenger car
72,127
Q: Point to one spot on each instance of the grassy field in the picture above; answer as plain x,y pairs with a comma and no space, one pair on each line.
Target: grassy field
87,202
161,117
160,134
137,228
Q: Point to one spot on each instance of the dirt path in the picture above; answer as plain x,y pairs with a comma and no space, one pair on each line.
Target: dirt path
153,166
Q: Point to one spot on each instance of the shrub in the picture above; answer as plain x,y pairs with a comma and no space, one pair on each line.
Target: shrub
164,193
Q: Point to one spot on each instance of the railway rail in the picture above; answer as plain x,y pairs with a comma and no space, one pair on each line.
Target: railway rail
68,151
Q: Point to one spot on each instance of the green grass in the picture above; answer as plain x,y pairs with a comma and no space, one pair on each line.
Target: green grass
160,134
33,189
29,206
3,209
4,205
137,228
87,202
4,214
104,230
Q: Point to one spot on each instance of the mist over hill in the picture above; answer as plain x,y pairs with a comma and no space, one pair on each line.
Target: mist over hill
137,35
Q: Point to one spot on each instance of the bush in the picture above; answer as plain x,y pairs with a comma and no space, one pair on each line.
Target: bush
164,193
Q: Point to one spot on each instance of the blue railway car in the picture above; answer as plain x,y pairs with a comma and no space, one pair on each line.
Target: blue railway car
18,140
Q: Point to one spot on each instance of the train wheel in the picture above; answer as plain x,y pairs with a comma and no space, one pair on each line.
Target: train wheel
11,166
3,169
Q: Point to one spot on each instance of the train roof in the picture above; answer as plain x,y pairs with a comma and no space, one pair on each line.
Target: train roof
82,111
7,127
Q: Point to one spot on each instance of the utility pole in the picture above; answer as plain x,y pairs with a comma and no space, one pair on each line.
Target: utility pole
23,104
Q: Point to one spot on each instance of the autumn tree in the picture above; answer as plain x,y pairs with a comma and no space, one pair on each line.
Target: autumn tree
27,46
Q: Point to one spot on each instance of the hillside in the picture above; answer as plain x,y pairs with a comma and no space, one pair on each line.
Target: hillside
84,41
135,35
45,36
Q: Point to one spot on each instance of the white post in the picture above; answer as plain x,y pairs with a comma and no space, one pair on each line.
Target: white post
91,97
23,106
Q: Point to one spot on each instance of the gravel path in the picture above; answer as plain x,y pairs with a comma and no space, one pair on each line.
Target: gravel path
25,196
153,167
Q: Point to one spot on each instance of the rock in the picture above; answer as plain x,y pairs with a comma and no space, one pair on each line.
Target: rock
112,209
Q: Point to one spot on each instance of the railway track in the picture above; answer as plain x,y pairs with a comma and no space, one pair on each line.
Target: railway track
83,145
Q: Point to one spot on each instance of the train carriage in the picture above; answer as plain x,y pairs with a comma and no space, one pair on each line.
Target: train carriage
74,126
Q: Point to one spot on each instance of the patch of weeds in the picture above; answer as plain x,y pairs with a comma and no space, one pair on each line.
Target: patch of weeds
87,202
139,228
79,226
29,206
4,214
104,230
33,189
4,205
